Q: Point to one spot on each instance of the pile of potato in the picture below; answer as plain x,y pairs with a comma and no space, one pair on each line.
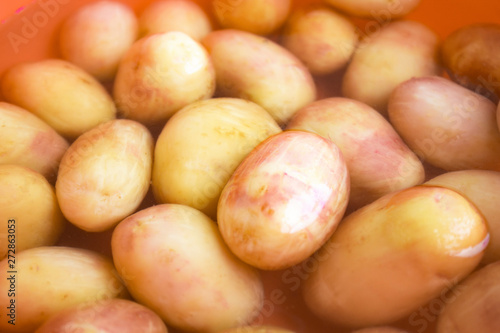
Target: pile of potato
219,116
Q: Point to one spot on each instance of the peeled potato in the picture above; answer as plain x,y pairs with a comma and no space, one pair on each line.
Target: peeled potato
375,8
257,329
394,255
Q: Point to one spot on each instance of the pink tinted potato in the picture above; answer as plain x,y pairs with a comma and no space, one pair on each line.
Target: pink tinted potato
375,8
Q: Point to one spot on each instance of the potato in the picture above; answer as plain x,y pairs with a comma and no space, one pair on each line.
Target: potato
378,160
321,38
260,17
161,74
396,254
174,15
96,37
470,57
473,305
384,329
105,174
398,52
27,140
284,200
29,213
447,125
257,329
63,95
257,69
173,260
110,316
50,279
482,188
375,8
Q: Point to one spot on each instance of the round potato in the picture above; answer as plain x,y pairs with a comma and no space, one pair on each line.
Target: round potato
255,68
257,329
378,160
160,74
394,255
446,124
47,280
173,260
97,36
375,8
110,316
63,95
29,213
201,146
105,174
27,140
284,200
174,15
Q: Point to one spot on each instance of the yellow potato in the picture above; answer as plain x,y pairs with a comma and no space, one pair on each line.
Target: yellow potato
50,279
260,17
284,200
160,74
201,146
378,160
173,260
63,95
321,38
29,213
27,140
482,188
378,9
255,68
96,37
446,124
105,174
257,329
110,316
174,15
384,329
398,52
396,254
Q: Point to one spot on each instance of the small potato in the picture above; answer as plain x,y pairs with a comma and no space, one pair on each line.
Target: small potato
27,140
257,329
255,68
260,17
173,260
474,304
63,95
161,74
470,56
398,52
174,15
97,36
375,8
446,124
105,174
378,160
200,147
391,257
321,38
110,316
51,279
29,213
284,200
381,329
482,188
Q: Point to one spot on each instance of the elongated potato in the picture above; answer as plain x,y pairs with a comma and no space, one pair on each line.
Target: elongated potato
63,95
483,189
97,36
375,8
201,146
160,74
174,15
105,174
321,38
27,140
257,69
47,280
378,160
400,51
173,260
284,200
257,329
393,256
110,316
29,213
446,124
381,329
